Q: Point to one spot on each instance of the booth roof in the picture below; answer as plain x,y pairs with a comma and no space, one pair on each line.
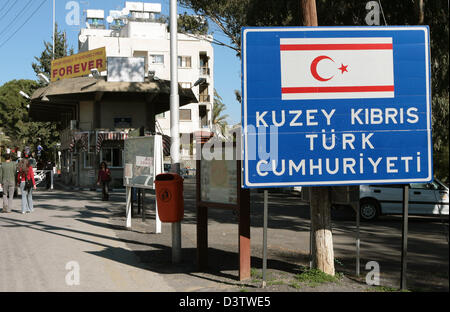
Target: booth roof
49,103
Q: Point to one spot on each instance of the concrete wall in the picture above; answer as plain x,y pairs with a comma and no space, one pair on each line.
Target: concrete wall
115,109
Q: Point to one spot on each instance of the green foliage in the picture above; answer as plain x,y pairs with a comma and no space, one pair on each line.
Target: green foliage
15,121
43,64
387,289
14,117
218,119
314,277
187,24
231,15
192,24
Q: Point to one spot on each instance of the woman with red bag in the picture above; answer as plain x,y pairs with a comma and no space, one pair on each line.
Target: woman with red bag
104,177
26,182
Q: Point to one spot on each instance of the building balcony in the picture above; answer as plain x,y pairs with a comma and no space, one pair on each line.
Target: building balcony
205,72
204,98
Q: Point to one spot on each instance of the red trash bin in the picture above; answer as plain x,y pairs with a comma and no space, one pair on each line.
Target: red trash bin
169,197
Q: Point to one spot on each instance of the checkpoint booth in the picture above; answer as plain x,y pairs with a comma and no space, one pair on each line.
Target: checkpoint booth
96,116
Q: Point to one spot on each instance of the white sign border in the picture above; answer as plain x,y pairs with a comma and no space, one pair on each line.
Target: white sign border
246,181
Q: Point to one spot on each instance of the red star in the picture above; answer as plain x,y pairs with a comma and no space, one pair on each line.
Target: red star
343,68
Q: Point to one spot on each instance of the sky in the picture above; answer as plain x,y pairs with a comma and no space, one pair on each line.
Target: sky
26,24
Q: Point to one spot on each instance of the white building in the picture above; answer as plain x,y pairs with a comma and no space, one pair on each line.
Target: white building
134,32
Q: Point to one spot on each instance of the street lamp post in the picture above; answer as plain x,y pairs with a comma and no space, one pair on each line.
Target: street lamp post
174,121
54,30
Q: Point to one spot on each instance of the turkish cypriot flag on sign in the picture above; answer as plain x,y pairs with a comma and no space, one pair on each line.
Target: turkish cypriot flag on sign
336,68
79,64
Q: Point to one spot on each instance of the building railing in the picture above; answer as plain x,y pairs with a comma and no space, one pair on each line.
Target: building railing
205,71
204,98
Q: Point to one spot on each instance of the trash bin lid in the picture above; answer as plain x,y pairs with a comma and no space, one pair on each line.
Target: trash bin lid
167,177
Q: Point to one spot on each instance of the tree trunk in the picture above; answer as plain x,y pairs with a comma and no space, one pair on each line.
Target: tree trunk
420,12
309,13
322,247
320,200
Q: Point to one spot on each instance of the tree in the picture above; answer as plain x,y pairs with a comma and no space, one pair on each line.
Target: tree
219,120
231,15
14,118
15,121
44,62
196,25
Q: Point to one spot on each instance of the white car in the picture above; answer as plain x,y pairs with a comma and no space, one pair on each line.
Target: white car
424,199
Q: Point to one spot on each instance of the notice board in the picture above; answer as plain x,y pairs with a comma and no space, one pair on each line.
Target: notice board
139,159
218,179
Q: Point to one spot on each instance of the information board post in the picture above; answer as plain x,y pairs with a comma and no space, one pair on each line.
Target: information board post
219,186
143,160
244,228
128,207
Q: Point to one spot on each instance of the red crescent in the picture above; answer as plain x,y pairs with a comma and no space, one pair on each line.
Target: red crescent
314,64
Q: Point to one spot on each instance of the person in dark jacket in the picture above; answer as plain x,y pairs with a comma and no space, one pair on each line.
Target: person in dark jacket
104,177
8,182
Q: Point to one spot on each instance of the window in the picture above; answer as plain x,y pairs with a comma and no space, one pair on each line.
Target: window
186,85
423,186
143,54
185,114
156,59
184,61
112,156
89,159
162,115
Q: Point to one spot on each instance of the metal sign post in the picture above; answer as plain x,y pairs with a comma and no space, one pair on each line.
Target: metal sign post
404,237
358,217
128,207
266,204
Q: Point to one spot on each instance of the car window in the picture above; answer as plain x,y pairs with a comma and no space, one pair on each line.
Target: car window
387,185
423,186
434,186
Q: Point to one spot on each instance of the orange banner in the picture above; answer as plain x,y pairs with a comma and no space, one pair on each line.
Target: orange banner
79,64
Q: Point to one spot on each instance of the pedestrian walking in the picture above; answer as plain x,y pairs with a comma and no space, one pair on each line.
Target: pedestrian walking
25,178
8,171
104,177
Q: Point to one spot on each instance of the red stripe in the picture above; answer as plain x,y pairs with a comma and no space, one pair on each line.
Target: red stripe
349,46
337,89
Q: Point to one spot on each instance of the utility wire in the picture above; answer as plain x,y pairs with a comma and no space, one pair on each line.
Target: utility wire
9,9
5,5
26,21
8,25
382,13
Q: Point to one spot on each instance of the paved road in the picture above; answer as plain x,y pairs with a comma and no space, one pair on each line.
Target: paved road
65,227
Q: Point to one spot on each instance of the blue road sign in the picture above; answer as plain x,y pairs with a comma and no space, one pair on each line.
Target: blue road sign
336,106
